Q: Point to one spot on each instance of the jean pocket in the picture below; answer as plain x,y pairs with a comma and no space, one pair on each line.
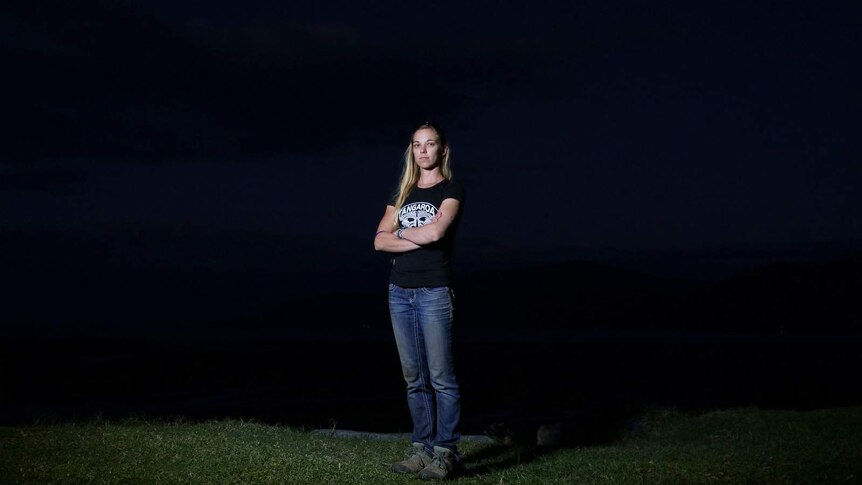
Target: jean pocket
434,290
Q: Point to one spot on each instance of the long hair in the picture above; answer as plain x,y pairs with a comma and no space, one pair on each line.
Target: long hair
410,171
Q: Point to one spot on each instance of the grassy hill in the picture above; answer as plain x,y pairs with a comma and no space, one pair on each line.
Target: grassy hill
744,445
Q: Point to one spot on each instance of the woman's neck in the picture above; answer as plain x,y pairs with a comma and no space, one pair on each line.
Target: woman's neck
429,179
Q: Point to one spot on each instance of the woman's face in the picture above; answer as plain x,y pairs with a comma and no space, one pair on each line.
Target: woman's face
426,148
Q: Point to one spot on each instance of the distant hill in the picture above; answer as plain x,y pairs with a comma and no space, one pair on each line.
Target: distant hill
163,280
806,297
586,296
783,297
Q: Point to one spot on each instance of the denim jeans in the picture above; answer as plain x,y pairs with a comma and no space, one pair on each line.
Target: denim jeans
422,324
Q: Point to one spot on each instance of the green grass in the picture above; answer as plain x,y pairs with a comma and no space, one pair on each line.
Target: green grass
739,446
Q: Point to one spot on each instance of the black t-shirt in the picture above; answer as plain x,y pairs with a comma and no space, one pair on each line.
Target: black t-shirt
430,265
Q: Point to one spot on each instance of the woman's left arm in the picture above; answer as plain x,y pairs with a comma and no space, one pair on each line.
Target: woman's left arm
435,230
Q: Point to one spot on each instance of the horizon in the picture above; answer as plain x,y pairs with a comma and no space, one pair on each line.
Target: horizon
115,292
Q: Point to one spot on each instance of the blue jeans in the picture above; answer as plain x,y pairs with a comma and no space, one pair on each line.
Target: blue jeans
422,324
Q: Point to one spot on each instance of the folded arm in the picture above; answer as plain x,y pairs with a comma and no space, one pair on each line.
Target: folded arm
415,237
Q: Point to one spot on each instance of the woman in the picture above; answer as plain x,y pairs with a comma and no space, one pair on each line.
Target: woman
418,228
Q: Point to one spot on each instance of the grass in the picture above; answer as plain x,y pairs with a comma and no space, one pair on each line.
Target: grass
738,446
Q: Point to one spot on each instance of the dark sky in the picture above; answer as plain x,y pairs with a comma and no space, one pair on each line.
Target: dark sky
604,124
633,124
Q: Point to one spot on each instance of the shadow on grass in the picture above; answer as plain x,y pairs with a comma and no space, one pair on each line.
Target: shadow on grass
524,440
500,457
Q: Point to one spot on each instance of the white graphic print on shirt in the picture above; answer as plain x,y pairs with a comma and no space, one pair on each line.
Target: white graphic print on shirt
416,214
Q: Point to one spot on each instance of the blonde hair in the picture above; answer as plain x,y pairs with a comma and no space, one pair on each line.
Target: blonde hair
410,170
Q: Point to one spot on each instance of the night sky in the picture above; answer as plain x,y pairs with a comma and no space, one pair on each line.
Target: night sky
208,142
662,206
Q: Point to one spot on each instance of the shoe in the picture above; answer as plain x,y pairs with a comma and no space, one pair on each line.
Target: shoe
441,465
417,460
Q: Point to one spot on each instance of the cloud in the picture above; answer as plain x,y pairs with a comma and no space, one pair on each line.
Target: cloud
105,82
51,180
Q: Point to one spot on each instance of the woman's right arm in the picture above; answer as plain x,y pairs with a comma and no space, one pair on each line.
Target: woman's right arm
385,240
